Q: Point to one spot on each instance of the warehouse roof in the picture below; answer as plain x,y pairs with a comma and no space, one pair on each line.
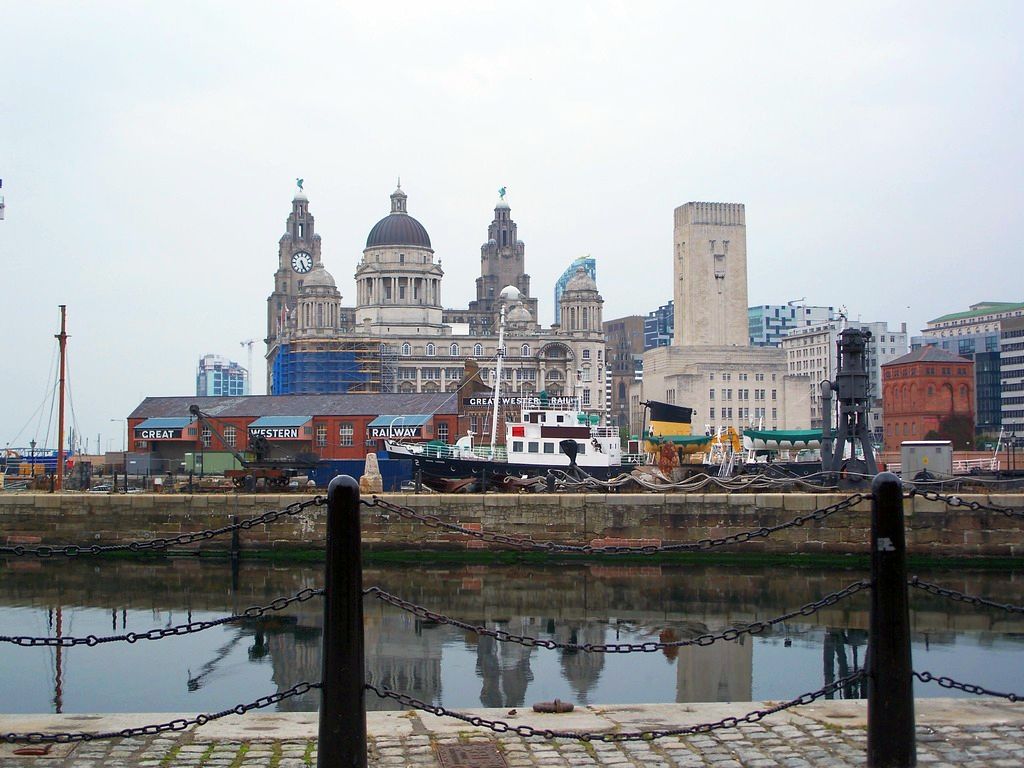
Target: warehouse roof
257,406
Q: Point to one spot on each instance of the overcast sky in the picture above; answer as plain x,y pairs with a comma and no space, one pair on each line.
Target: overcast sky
149,150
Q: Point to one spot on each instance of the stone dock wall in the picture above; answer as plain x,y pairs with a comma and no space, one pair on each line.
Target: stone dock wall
933,528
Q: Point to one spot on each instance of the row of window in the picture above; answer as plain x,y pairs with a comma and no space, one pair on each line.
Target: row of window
478,350
346,435
743,413
740,376
743,394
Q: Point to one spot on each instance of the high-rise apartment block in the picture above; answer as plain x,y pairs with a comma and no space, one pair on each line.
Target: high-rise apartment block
218,376
659,326
768,323
1011,364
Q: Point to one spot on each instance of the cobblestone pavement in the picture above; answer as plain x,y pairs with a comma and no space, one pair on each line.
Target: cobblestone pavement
951,732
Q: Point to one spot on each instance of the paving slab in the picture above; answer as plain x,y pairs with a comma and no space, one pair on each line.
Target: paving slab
975,732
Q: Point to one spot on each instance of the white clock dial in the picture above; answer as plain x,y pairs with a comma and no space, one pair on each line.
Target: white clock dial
302,262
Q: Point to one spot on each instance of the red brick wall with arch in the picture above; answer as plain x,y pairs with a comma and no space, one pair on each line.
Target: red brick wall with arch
917,396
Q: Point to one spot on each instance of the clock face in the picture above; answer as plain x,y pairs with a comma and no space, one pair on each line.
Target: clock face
302,262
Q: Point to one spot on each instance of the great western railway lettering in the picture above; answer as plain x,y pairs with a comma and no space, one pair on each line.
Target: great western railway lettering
520,400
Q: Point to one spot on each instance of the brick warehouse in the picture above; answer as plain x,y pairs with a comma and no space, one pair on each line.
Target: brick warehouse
921,389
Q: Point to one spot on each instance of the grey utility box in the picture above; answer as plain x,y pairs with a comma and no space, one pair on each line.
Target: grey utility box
935,456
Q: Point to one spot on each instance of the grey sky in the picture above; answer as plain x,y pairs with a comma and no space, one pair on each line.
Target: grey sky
149,151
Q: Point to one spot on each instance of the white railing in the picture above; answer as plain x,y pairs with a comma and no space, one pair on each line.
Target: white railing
960,466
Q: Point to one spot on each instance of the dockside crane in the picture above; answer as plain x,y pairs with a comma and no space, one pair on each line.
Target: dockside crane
256,463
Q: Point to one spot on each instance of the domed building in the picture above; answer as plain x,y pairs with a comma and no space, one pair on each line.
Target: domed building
399,337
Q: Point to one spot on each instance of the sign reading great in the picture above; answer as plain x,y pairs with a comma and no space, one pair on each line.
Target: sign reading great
157,433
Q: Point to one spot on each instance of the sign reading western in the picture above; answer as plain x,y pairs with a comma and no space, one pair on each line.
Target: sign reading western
275,433
393,431
517,400
157,433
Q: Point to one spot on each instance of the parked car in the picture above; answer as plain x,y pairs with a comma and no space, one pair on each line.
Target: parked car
102,488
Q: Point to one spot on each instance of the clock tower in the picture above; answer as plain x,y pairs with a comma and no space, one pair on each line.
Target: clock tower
298,253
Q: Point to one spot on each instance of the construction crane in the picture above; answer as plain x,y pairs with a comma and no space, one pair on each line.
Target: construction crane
248,343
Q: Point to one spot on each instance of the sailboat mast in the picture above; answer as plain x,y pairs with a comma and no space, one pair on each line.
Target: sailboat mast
62,337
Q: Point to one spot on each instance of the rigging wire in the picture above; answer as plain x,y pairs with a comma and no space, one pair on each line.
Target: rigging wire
71,401
42,403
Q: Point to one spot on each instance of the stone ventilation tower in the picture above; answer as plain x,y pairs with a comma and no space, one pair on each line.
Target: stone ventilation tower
502,262
581,305
710,270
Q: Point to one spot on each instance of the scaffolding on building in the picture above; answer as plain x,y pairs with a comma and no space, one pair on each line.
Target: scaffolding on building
326,366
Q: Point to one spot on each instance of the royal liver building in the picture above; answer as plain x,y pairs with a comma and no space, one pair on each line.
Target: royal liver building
399,337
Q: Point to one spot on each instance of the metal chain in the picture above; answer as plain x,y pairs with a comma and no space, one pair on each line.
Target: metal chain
433,521
253,612
73,550
962,597
706,639
526,731
948,682
180,724
956,501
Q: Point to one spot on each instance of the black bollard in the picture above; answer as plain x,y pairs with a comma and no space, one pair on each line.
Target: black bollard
419,479
889,667
342,735
549,481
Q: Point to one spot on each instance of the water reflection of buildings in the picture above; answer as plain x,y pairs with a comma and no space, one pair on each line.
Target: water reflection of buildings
570,604
720,672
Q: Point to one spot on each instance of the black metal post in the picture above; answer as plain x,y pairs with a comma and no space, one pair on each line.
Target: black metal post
342,738
890,671
419,479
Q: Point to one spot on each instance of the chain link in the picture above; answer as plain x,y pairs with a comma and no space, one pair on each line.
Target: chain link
706,639
977,690
957,501
962,597
179,724
159,633
433,521
73,550
526,731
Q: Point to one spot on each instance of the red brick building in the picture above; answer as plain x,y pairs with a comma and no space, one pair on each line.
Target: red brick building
923,388
327,426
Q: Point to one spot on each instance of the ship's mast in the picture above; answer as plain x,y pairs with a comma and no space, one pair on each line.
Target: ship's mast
497,376
61,337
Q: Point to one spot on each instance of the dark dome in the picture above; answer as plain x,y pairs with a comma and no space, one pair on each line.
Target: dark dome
398,229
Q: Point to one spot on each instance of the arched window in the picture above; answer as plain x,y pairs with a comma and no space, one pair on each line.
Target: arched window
431,350
478,350
406,349
525,351
453,350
